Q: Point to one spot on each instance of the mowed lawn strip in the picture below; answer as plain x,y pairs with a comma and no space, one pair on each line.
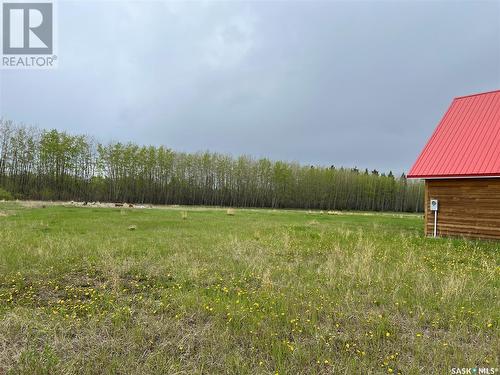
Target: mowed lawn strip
198,291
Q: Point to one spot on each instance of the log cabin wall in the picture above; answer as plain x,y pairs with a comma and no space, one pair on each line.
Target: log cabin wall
467,207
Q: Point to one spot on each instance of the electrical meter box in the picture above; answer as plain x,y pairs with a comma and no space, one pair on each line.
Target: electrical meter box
434,204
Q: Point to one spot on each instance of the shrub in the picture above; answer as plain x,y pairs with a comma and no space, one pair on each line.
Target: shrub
5,195
47,194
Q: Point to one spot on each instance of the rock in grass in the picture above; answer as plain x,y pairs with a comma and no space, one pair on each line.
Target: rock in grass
132,227
231,212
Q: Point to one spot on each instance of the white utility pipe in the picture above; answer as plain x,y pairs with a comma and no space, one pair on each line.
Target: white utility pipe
435,223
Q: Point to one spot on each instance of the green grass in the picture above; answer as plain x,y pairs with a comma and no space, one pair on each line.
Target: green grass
260,292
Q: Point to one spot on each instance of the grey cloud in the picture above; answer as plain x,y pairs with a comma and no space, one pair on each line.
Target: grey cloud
344,83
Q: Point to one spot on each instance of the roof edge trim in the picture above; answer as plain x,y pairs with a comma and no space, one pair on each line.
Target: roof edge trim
479,93
452,177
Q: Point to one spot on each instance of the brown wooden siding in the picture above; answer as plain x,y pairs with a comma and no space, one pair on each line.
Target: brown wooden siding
467,207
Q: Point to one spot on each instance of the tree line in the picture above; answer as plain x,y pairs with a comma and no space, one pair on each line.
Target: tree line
55,165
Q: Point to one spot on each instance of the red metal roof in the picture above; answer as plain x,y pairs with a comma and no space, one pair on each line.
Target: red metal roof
466,142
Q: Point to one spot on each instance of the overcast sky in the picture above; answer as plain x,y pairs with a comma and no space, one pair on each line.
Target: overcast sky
345,83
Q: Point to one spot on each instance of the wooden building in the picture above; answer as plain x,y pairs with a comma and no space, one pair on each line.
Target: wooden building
461,168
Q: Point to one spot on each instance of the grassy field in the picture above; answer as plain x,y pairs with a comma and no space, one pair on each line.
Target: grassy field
148,291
